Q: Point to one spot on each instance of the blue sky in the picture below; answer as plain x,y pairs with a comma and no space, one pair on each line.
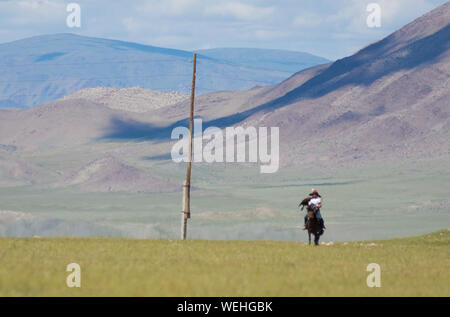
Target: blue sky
329,28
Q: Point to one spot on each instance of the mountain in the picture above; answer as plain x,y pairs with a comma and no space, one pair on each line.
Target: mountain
61,124
387,101
17,171
289,62
44,68
390,97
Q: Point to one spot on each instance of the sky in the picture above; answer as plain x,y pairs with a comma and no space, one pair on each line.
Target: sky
328,28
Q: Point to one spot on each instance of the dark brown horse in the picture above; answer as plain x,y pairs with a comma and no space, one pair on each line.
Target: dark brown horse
313,226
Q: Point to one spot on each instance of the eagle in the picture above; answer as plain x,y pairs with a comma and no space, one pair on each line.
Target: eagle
304,203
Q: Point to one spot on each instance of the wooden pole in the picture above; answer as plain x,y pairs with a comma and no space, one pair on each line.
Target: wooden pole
187,184
183,215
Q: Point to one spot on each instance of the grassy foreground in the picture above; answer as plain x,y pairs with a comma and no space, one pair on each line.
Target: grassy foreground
121,267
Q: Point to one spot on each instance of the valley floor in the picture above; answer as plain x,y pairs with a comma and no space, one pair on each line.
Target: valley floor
417,266
379,201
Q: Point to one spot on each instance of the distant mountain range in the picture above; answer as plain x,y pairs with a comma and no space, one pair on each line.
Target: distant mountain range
390,100
289,62
44,68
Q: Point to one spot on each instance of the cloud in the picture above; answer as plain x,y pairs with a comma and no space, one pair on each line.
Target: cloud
31,12
130,24
267,34
239,10
307,20
393,11
170,8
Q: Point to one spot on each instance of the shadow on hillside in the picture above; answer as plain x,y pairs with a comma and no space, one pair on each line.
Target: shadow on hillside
358,69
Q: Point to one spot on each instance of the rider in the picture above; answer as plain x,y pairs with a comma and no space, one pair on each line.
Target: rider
316,203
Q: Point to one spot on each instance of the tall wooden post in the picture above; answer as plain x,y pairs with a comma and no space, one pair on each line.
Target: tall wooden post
187,184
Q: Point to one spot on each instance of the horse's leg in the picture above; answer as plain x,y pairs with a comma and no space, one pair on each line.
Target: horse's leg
316,239
309,236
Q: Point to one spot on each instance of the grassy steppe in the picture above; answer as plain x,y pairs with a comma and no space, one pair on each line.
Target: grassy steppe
124,267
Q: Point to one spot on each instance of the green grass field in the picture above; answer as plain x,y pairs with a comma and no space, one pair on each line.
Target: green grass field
125,267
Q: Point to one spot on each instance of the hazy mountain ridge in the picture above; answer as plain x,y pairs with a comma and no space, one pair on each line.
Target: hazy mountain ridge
270,59
44,68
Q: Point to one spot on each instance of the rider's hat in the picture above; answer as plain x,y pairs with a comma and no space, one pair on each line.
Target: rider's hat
314,191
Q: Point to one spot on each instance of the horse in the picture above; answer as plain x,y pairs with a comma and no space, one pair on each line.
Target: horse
313,226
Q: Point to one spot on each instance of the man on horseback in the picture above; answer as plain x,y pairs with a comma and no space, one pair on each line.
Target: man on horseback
314,203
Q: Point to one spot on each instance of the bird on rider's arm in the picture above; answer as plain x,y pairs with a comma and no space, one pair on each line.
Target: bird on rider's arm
304,203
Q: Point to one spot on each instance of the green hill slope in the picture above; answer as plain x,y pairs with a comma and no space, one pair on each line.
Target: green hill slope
121,267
